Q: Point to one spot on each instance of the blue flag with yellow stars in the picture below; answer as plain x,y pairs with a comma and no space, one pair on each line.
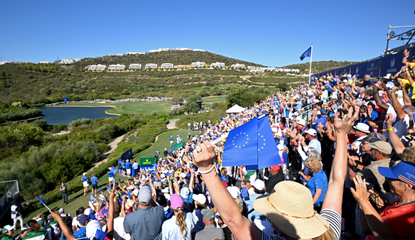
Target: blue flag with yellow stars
305,54
252,145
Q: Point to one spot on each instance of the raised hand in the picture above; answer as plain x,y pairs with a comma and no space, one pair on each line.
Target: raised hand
204,156
343,127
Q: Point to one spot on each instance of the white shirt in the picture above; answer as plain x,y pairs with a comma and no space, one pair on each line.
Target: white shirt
13,210
119,228
170,230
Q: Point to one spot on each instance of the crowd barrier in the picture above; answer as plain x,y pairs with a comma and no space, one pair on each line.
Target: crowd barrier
375,67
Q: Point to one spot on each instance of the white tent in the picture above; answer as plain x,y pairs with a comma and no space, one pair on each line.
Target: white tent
235,109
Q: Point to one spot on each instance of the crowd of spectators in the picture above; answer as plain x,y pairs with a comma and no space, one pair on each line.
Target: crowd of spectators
347,171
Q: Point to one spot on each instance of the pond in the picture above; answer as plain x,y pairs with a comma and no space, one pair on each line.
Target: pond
58,115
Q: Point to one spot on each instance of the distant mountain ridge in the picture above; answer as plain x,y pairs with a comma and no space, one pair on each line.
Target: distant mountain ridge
175,57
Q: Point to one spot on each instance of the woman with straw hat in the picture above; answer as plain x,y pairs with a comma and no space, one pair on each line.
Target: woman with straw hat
290,207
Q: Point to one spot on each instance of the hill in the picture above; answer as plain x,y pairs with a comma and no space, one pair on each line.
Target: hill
175,57
319,66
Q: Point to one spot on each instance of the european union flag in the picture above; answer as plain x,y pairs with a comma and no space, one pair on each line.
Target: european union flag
306,54
252,145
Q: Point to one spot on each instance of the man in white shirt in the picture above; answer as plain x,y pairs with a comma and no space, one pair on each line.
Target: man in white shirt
311,135
16,216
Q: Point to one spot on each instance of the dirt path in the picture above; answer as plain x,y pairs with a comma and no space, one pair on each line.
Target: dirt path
172,124
113,145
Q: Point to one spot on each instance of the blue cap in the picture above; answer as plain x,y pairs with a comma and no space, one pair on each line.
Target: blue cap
91,198
403,171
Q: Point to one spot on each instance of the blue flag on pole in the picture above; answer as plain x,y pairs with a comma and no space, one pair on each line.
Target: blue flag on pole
252,145
307,53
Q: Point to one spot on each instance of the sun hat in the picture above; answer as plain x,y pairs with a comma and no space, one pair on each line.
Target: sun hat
388,76
383,147
290,208
363,127
144,196
200,198
311,132
184,192
176,201
7,228
259,185
403,171
208,214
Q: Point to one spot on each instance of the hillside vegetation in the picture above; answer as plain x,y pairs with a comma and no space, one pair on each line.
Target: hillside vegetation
175,57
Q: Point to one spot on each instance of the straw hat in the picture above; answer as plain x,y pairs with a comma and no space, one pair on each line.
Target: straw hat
290,208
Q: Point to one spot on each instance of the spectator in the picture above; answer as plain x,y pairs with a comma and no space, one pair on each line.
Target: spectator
146,221
210,231
16,215
85,183
277,176
397,220
317,184
311,135
64,192
181,224
94,183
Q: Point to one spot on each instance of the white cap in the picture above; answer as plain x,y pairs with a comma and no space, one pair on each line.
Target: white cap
311,132
61,210
200,198
259,185
233,191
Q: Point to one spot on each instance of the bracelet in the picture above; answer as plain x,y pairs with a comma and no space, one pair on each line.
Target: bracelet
385,130
208,171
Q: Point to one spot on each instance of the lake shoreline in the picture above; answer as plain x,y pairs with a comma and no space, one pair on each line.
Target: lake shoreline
64,105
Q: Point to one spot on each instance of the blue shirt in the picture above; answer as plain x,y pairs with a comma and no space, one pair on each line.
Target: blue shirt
111,174
128,165
94,180
375,115
84,178
122,164
322,120
254,214
318,181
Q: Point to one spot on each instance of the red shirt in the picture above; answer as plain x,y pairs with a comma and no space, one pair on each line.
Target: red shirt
400,220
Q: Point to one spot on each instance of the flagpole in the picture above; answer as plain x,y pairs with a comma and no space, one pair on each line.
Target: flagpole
311,60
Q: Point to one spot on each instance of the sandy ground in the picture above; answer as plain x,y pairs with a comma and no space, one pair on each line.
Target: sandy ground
172,124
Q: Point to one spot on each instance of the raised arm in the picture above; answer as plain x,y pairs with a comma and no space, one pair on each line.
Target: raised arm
241,227
396,105
62,226
375,222
334,195
393,138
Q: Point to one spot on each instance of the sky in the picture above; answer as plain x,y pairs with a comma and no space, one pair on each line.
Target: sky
271,33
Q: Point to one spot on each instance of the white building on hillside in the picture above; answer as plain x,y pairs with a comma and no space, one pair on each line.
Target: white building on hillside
98,67
198,50
218,64
135,66
180,66
166,65
238,65
181,49
198,64
44,62
151,66
2,63
116,67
